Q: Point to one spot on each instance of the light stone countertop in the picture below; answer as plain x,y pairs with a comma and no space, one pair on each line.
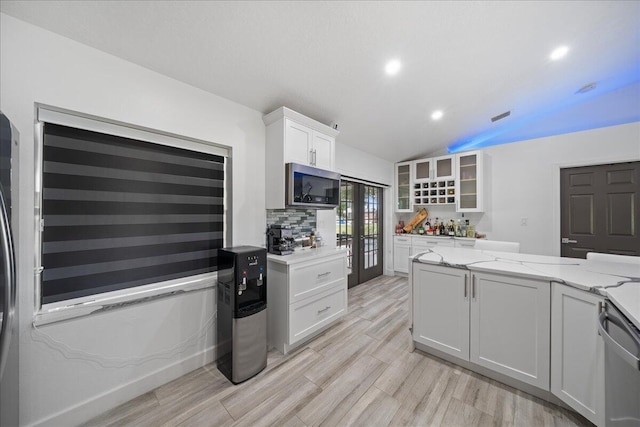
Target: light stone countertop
619,282
307,254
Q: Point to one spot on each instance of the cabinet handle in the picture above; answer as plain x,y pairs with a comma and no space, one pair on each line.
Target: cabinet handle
324,309
465,287
321,275
473,287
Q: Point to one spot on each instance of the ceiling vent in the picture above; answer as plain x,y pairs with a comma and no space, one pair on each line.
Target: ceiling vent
586,88
501,116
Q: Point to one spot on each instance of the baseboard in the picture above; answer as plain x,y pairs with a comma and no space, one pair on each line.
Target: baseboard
94,406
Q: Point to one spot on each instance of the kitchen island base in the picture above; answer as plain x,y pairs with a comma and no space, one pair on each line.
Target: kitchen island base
496,376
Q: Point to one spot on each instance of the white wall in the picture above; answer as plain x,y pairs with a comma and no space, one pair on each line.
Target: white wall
524,181
67,387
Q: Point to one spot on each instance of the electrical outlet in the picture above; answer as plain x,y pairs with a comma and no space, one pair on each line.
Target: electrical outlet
523,221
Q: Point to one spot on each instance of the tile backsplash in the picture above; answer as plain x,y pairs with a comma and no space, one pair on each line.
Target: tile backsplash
302,221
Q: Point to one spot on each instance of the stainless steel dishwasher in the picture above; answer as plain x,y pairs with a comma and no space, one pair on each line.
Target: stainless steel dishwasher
622,368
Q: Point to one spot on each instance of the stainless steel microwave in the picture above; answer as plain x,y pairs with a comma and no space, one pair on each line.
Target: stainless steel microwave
311,187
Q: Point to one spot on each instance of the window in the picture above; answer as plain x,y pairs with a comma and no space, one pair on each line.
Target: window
120,213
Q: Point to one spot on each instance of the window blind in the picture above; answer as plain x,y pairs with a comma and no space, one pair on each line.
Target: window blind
120,212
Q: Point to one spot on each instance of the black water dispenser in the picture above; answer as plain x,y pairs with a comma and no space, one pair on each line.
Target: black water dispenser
241,342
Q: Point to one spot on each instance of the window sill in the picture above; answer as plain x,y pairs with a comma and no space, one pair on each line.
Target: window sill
86,306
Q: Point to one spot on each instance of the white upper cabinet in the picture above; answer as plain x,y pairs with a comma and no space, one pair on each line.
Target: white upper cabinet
324,147
470,182
294,138
433,181
308,147
434,169
403,186
444,167
298,143
455,180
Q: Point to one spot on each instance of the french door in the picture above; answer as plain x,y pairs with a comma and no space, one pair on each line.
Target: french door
359,230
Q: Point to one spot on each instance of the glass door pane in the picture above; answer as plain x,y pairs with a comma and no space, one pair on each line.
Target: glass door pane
344,221
371,237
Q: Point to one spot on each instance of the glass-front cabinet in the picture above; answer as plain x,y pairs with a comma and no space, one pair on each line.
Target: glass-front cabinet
403,187
454,180
470,178
422,170
444,168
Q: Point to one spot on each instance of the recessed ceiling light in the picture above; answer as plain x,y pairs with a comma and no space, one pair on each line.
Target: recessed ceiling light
393,67
437,115
559,53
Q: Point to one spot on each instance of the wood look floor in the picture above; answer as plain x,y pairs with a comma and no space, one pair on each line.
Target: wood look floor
360,372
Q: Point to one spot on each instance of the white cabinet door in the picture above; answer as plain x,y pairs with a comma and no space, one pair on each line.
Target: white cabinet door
510,321
401,253
323,151
444,167
422,170
403,187
577,352
470,182
298,141
441,309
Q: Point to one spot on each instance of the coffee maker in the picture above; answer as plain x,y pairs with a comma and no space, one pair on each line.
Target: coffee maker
280,239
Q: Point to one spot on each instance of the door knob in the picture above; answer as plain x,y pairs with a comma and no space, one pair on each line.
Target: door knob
567,240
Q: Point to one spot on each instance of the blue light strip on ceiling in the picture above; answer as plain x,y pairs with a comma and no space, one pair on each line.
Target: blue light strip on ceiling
606,86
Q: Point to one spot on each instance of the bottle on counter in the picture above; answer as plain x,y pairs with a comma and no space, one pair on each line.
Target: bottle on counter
463,228
451,228
471,230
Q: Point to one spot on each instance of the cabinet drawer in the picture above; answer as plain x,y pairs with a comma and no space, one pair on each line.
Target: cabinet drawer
311,279
465,243
402,241
308,316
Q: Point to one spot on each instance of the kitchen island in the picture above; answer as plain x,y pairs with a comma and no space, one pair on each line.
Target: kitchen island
529,321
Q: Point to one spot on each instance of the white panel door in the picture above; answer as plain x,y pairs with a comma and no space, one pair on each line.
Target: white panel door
577,351
323,147
298,140
441,309
510,321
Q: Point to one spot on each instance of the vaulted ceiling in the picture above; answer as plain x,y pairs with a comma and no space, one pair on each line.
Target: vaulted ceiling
471,60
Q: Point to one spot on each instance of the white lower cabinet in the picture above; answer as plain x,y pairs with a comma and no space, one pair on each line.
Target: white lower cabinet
464,243
510,322
304,298
498,322
441,309
401,253
577,352
409,245
422,243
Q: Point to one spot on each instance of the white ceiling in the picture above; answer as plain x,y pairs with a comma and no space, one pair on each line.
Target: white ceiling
326,60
